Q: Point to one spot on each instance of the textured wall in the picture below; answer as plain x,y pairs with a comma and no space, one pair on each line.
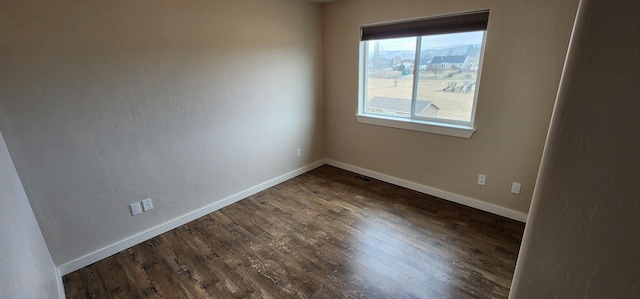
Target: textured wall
104,103
583,235
525,51
27,268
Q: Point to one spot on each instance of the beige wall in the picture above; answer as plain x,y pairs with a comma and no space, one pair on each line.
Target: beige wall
104,103
525,51
27,269
583,235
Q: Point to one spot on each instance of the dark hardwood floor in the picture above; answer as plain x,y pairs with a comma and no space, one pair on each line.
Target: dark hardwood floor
328,233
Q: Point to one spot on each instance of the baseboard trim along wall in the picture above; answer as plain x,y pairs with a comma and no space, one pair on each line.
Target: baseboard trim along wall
463,200
61,292
93,257
110,250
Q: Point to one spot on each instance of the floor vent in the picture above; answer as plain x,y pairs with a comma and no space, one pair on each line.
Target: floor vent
364,178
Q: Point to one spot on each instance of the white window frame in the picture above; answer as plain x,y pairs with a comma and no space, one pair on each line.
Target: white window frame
456,128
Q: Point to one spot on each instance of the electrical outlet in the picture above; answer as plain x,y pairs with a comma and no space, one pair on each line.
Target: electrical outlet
135,208
482,179
298,152
147,204
515,188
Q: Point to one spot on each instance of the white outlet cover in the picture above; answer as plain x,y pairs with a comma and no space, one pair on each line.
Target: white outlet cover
147,204
482,179
135,208
515,188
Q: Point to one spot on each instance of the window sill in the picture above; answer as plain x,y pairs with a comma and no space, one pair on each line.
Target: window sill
454,130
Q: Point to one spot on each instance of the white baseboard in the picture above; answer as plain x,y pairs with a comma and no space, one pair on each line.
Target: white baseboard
95,256
61,293
467,201
112,249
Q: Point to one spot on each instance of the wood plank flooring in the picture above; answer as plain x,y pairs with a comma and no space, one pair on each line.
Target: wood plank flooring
328,233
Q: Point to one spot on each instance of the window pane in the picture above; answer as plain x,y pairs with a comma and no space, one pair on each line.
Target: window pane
448,72
390,64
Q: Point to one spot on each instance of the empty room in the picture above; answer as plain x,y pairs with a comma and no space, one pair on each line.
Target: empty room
319,149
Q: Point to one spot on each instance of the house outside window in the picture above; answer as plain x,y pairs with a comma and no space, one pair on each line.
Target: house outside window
423,74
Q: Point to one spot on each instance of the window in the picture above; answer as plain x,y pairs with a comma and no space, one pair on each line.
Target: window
423,74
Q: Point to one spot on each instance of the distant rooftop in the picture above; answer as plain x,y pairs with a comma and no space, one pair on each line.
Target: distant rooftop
449,59
395,104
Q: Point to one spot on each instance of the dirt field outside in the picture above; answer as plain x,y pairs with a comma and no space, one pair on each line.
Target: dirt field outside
454,105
